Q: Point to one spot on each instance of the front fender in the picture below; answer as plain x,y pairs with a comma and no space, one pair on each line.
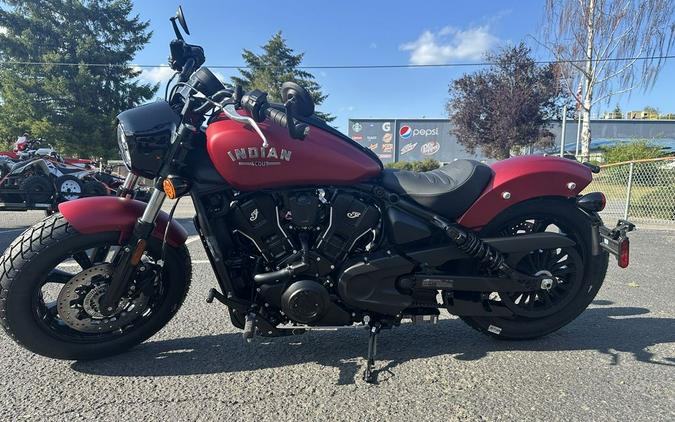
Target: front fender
110,214
521,178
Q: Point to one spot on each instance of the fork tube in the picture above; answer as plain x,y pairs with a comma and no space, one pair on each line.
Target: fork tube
129,185
153,207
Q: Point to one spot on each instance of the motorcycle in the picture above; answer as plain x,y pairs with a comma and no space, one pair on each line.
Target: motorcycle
304,229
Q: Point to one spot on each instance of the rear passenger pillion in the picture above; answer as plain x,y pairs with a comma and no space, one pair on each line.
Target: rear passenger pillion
449,190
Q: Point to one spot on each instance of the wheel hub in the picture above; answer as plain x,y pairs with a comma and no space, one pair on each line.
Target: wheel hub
70,189
79,303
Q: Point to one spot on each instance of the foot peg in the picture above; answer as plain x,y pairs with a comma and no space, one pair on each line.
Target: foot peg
370,375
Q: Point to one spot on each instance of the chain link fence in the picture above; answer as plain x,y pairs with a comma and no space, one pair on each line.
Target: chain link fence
642,191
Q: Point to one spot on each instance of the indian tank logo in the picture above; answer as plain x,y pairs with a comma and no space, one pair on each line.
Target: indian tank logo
387,137
353,214
357,127
254,215
259,156
408,147
405,132
386,126
430,148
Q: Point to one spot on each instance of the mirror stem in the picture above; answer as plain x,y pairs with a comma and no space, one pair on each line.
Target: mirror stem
175,28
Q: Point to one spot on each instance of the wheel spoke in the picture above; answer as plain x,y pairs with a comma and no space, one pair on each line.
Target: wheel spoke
82,260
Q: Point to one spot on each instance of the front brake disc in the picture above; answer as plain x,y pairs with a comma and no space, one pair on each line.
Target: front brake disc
79,303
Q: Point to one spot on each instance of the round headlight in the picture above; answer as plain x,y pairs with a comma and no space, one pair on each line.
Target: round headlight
123,146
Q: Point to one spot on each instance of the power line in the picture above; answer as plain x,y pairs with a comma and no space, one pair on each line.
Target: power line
354,66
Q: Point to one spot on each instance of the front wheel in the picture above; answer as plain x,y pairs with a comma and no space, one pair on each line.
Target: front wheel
52,279
578,273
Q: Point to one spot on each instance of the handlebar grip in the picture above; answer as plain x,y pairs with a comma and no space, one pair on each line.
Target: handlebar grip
279,117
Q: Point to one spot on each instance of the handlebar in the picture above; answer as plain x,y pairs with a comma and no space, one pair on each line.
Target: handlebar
281,118
256,103
188,67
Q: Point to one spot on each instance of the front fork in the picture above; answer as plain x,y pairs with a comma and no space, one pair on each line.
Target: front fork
127,260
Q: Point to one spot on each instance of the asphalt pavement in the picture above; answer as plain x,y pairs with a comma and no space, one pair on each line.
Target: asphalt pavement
615,362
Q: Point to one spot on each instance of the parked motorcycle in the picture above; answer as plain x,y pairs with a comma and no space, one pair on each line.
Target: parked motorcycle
304,229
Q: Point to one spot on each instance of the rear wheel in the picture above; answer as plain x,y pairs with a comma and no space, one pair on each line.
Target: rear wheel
578,274
95,188
37,190
52,279
69,187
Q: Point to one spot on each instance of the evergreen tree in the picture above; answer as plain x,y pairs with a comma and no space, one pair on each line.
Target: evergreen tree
278,64
73,107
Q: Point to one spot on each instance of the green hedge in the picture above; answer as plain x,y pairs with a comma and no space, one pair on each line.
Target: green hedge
422,165
637,150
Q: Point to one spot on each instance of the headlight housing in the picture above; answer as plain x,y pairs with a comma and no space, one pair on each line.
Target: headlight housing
144,137
123,146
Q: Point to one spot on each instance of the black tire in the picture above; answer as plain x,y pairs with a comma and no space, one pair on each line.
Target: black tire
95,188
69,187
37,190
23,269
595,269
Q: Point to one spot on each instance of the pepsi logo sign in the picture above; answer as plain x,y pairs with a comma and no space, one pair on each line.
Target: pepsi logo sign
405,132
430,148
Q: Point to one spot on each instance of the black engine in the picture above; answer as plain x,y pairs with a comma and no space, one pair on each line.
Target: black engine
303,237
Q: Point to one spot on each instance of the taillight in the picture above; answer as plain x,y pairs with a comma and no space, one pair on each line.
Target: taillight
594,201
624,252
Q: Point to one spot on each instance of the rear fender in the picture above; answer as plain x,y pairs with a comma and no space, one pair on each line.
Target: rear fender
521,178
110,214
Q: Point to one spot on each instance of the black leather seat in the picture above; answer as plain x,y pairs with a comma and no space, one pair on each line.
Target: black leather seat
448,191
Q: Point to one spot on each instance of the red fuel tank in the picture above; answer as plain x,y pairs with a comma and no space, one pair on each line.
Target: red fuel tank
322,158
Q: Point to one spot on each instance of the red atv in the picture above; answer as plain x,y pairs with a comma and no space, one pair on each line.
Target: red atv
304,229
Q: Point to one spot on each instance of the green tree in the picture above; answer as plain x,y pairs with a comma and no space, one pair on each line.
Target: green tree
275,65
73,107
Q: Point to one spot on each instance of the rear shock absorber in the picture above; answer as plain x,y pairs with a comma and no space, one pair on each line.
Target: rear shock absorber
476,248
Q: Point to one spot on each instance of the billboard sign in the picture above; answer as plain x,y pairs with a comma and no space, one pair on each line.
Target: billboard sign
376,135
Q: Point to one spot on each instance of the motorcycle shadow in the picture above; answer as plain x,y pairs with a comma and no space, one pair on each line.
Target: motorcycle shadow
608,330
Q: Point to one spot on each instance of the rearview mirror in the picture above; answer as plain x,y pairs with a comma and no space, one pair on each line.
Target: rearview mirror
181,20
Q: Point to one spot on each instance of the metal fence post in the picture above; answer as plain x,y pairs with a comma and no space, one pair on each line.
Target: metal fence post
629,188
562,131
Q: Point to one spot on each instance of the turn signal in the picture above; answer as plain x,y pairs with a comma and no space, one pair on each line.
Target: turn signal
175,186
169,189
624,253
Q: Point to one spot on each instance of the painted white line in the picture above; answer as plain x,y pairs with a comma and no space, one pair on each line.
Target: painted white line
191,239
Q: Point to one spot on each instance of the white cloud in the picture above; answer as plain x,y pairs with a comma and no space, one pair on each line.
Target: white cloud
3,30
450,44
153,75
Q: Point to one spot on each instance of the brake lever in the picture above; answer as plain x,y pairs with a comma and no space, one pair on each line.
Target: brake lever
231,112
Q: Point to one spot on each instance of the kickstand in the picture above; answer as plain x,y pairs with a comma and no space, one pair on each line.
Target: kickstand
370,375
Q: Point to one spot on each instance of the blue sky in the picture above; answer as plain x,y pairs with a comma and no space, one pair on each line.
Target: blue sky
369,32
